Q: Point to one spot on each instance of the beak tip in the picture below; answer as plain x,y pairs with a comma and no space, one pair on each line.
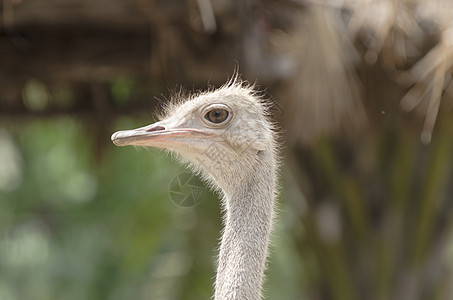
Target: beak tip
114,138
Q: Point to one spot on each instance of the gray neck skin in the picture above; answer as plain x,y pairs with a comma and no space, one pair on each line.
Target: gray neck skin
248,224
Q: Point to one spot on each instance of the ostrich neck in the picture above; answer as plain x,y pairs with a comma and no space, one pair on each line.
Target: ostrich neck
248,224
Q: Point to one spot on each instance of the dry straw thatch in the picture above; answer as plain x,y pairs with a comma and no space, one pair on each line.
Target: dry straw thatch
392,33
315,46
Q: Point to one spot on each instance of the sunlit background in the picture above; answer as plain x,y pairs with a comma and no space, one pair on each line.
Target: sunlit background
362,93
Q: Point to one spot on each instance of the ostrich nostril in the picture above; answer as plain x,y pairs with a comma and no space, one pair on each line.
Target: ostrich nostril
157,128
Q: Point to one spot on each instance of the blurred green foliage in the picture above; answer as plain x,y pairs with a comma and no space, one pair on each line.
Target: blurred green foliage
122,88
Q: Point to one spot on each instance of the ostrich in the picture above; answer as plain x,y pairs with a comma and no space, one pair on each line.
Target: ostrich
226,136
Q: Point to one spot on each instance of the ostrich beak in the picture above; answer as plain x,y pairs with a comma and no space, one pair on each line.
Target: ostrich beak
157,135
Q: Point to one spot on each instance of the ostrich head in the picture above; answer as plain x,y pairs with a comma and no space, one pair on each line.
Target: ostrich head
223,133
226,134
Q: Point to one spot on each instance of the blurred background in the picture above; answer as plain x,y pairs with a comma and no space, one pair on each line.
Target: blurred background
362,92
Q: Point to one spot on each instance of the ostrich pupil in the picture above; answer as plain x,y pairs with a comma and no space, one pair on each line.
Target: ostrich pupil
217,115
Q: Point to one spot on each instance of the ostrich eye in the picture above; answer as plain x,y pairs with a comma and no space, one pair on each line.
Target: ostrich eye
217,115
